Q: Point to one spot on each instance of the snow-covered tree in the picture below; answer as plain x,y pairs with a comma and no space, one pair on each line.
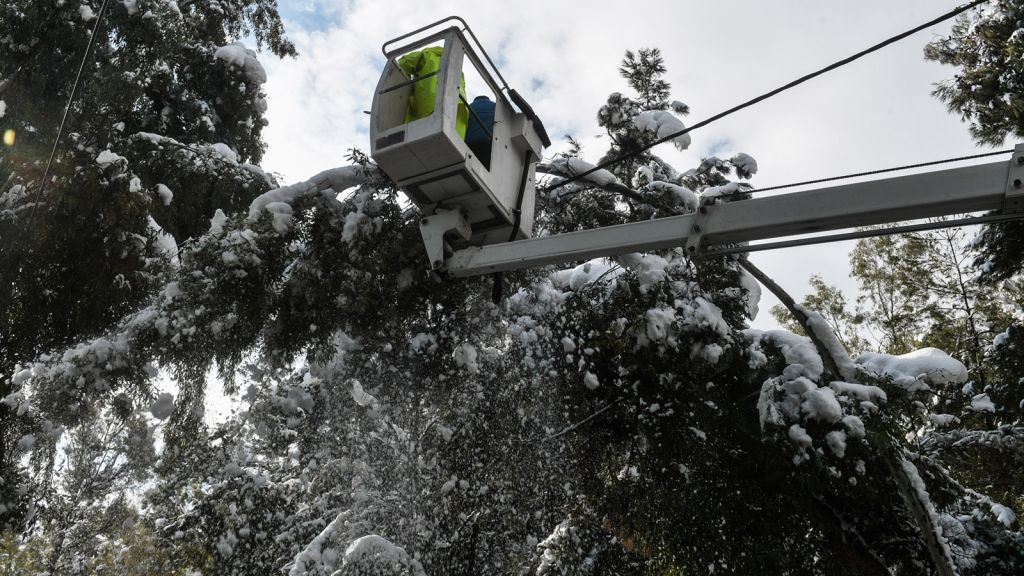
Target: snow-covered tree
617,416
166,115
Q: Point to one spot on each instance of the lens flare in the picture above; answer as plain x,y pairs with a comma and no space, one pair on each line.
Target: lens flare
9,137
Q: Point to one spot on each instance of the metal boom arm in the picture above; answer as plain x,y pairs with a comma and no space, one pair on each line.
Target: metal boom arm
992,186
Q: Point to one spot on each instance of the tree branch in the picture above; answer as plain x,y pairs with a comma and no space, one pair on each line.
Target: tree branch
614,187
830,364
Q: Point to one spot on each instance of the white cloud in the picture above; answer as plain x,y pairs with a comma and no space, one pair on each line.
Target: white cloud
563,57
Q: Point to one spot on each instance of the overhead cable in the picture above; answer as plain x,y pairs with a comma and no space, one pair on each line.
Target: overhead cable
951,14
67,109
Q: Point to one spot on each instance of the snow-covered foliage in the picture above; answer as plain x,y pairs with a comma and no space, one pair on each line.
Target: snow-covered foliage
927,366
664,124
236,54
617,416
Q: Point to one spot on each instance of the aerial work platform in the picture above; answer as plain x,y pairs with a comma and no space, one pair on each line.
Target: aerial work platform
466,200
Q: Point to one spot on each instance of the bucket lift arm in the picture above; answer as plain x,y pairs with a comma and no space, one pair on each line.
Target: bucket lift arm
992,186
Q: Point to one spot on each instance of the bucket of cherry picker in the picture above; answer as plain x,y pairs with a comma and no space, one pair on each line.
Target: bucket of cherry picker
467,165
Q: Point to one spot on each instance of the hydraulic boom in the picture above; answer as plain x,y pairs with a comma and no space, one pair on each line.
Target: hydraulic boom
993,186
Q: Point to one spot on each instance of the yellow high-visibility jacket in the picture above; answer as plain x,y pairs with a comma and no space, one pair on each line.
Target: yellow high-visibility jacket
424,92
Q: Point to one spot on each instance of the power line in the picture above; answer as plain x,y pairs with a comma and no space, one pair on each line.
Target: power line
67,109
766,95
868,173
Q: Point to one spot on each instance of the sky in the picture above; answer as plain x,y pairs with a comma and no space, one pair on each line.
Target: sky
563,57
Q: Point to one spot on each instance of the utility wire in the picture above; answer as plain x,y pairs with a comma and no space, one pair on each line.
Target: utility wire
766,95
67,110
868,173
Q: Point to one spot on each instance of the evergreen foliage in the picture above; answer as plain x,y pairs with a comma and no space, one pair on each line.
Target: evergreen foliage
616,417
986,47
97,240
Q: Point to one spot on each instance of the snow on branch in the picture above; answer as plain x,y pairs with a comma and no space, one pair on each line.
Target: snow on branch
237,54
239,257
569,167
915,370
279,201
663,123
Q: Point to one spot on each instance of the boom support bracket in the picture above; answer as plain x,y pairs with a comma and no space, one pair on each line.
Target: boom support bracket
1013,200
433,229
696,235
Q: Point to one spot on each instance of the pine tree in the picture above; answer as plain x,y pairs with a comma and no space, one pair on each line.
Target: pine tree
985,46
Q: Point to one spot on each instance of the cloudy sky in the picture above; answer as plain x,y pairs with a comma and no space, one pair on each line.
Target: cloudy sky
564,56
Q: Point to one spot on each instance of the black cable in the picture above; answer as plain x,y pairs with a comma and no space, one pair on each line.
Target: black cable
869,173
766,95
67,110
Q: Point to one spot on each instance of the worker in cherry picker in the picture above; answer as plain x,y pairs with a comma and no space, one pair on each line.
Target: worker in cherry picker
480,132
423,65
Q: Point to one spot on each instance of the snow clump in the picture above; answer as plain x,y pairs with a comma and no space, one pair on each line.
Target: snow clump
378,553
225,152
574,166
165,194
465,356
663,124
982,403
915,370
106,158
745,165
164,241
237,54
362,397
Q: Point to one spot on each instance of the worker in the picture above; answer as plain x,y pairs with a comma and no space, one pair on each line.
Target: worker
421,102
480,133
